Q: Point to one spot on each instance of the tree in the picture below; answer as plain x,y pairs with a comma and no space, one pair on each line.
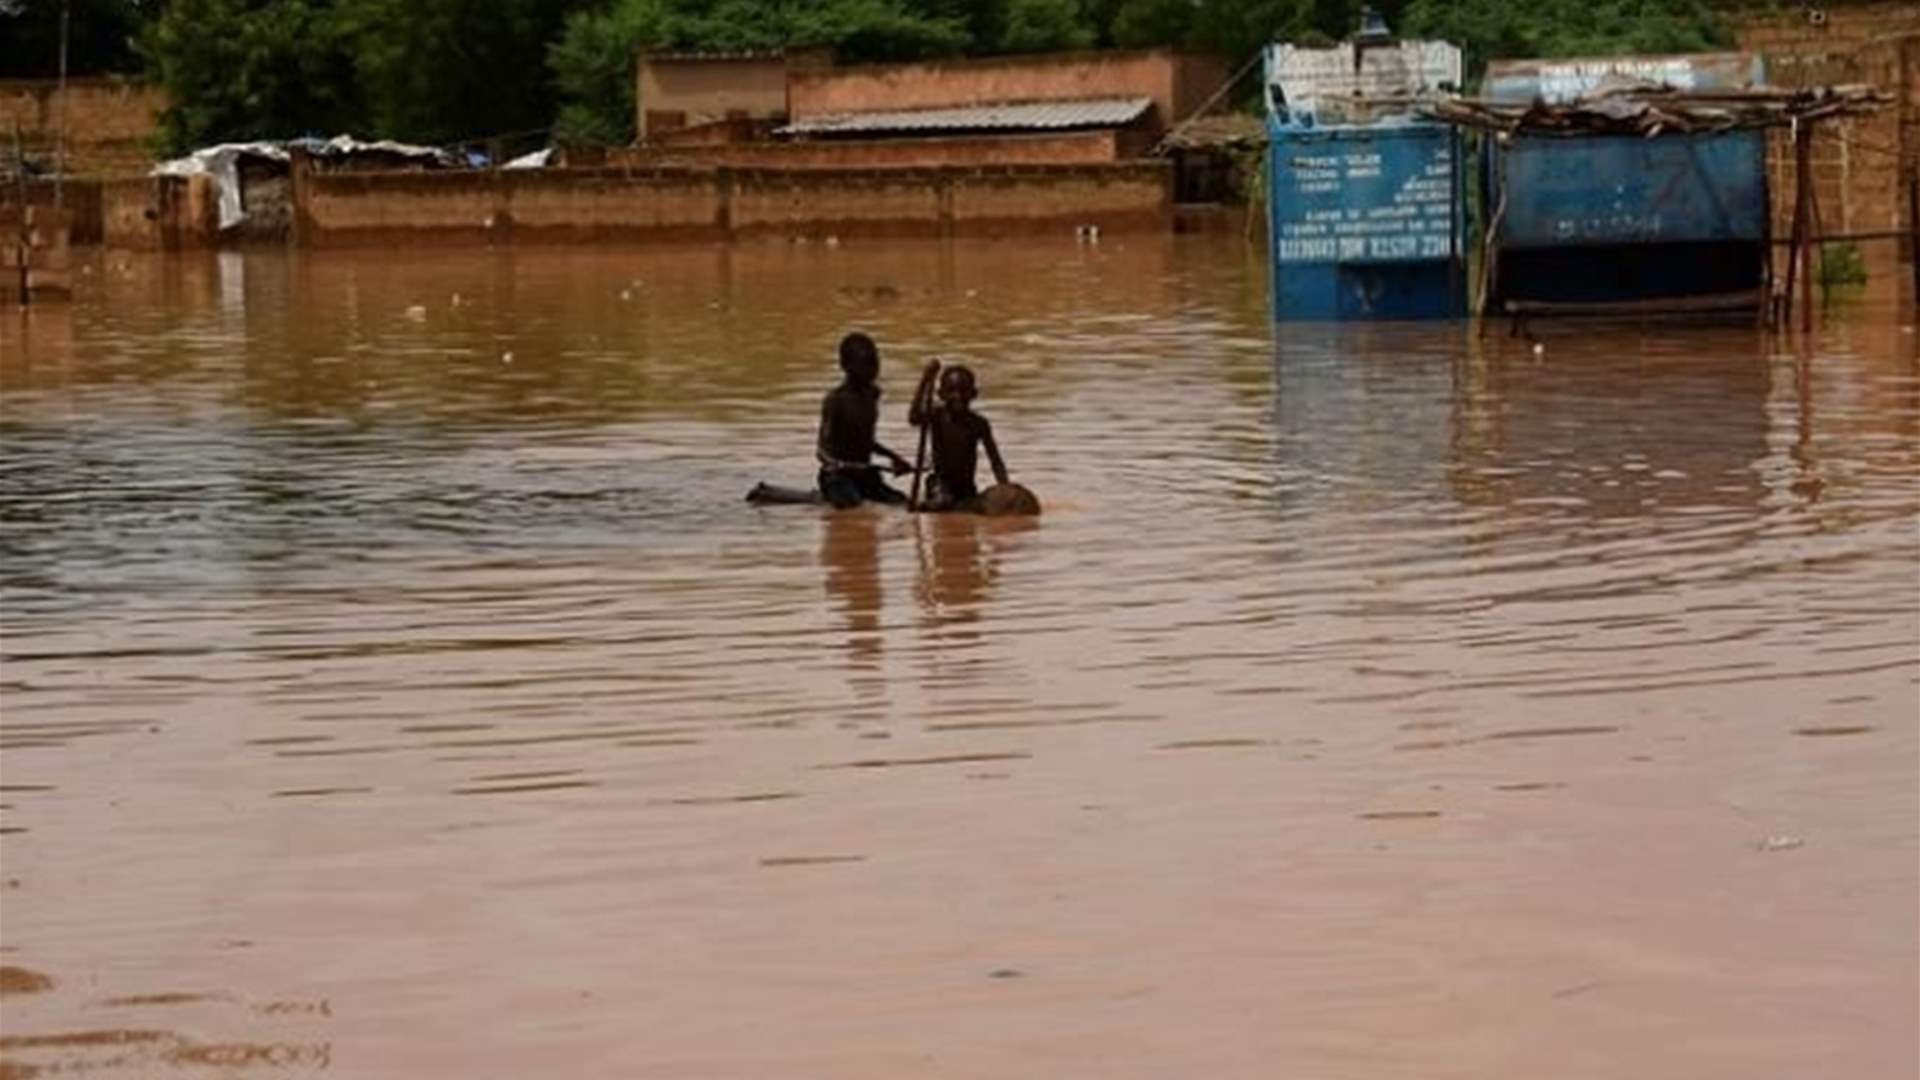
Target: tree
593,61
1044,26
592,65
1234,28
1499,29
875,31
99,37
250,69
444,70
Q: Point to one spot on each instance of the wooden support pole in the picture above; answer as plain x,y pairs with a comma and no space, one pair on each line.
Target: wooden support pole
60,145
1806,241
1802,213
1816,255
1489,248
1913,230
1796,232
17,244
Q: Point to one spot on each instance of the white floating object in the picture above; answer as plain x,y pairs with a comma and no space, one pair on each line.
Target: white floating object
1539,348
418,313
833,241
626,294
507,357
1780,843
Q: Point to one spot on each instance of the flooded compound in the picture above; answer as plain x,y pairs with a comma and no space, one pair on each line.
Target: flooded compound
397,685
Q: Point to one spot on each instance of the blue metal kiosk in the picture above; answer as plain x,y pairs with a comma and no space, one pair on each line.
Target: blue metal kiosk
1364,197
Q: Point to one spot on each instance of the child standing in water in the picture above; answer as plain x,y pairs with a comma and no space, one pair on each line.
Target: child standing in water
848,415
957,434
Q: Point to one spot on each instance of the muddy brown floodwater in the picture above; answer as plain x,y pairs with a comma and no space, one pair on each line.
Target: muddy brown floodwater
396,684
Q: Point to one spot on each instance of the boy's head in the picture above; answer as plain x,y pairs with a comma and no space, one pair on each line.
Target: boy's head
957,386
859,358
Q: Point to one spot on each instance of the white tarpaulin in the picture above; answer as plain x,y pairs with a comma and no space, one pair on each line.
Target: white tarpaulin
222,162
536,160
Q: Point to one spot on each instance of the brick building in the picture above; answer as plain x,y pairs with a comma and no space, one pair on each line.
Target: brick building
111,123
799,111
702,98
1861,166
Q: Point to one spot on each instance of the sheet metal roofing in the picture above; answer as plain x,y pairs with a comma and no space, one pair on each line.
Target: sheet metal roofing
1032,116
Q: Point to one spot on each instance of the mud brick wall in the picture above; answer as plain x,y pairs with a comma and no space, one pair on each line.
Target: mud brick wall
1861,165
1017,200
110,122
1075,148
491,206
80,196
850,202
1177,82
715,204
158,213
612,204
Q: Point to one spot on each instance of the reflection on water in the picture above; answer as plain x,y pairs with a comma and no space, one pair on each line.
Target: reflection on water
393,683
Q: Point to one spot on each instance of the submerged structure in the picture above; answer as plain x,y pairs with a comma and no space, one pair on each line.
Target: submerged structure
1646,212
1364,190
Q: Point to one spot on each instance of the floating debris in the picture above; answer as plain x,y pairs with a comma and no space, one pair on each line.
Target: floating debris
811,860
19,980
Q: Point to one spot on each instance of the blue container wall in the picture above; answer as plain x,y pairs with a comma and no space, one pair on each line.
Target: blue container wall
1631,190
1364,223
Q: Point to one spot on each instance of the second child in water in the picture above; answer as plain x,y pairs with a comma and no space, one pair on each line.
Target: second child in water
957,434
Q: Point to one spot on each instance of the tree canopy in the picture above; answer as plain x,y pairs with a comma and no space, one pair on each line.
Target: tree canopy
1499,29
99,39
455,70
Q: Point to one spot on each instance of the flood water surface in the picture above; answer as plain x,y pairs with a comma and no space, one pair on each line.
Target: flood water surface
394,682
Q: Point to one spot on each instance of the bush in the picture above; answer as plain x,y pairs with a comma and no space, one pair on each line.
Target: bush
1841,264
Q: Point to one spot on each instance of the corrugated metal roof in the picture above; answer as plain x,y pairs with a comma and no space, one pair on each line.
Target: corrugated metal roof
1030,116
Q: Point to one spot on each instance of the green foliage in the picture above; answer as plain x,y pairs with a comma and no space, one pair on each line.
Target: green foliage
99,37
250,69
1233,28
593,61
873,31
1045,26
442,70
1502,29
592,66
1841,264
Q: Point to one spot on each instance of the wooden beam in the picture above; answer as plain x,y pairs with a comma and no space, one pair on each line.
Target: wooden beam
1739,300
